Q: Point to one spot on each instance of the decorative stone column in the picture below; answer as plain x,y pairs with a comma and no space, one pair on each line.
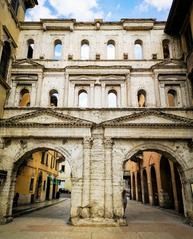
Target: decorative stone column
174,185
87,144
108,143
39,89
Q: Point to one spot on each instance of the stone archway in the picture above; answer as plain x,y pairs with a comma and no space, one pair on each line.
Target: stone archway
20,156
176,161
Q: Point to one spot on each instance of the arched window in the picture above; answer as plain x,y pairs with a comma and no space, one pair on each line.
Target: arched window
166,50
24,98
138,51
111,50
5,57
54,98
57,50
30,48
112,98
172,98
141,95
82,98
85,50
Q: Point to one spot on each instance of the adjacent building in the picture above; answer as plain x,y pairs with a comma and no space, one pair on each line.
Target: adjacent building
12,12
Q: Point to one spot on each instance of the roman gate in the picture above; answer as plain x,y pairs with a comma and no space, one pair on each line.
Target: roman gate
101,94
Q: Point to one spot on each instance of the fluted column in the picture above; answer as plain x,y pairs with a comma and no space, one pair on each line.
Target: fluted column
108,143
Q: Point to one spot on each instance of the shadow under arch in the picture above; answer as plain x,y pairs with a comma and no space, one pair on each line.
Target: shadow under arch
158,148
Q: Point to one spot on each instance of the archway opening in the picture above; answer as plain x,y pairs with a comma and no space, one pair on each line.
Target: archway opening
40,176
158,178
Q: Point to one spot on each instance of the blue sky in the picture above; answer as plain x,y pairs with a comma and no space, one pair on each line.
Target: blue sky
109,10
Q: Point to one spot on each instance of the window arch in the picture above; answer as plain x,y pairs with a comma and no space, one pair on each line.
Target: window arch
112,98
24,97
166,49
57,49
172,98
82,98
141,96
54,98
110,50
138,50
5,58
30,48
85,50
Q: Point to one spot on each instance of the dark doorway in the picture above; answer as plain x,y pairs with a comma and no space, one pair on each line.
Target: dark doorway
48,189
139,186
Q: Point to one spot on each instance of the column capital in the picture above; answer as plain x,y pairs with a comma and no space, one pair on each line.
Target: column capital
108,142
87,142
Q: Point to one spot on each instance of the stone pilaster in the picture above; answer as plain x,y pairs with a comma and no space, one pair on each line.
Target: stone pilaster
150,190
87,144
136,187
108,178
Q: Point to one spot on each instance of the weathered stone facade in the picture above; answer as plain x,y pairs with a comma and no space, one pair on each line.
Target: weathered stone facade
97,139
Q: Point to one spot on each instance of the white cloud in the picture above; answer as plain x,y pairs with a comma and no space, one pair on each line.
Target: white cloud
40,11
78,9
160,5
81,10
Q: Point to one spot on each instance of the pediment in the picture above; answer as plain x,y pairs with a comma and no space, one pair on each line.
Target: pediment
169,64
150,118
47,117
27,63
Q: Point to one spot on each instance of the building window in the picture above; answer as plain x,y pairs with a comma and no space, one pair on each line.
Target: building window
30,48
111,50
47,157
85,50
24,98
112,98
57,50
44,185
53,98
31,186
141,95
5,57
63,169
82,98
166,50
172,98
43,157
138,50
15,5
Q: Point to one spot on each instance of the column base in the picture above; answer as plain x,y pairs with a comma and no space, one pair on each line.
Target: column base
98,222
5,220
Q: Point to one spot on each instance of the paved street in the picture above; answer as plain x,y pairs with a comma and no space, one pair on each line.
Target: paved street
145,222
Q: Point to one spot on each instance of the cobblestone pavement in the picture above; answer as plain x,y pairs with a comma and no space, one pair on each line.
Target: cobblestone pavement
144,222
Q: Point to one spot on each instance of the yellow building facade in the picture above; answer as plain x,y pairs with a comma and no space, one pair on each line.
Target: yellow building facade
37,178
12,12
